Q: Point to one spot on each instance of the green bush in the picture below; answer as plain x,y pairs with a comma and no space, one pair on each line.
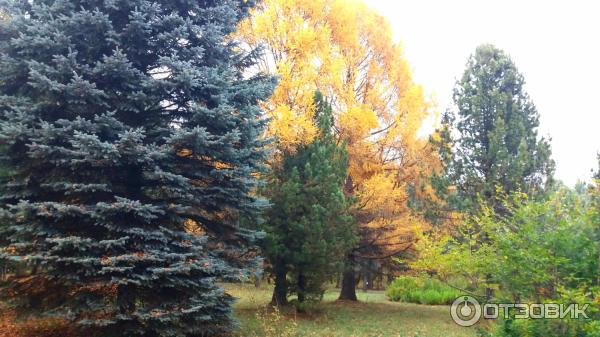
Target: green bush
401,287
544,328
423,290
592,329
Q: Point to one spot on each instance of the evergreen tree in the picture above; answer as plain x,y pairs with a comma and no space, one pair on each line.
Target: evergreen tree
131,136
309,229
4,265
493,132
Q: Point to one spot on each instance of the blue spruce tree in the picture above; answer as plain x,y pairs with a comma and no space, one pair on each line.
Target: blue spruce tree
129,132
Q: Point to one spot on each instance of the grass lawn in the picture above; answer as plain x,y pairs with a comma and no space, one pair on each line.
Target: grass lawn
373,316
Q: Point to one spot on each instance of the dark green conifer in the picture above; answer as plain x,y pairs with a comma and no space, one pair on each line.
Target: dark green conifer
309,228
494,132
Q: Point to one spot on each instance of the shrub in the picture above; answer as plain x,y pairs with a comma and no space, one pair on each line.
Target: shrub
274,324
401,288
592,329
542,328
423,290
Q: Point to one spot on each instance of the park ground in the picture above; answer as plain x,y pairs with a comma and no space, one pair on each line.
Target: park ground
373,316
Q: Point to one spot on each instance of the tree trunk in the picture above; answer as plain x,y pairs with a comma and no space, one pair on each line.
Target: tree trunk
489,292
367,280
280,291
301,288
348,291
257,282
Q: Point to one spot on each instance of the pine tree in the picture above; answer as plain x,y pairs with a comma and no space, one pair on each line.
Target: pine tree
495,142
131,135
309,227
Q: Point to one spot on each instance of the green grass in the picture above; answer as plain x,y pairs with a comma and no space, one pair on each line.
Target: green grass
373,316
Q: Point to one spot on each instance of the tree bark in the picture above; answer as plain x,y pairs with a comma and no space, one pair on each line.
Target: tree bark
301,288
257,282
280,291
348,291
367,278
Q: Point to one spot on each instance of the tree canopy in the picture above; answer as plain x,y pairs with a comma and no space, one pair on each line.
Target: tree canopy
345,50
494,131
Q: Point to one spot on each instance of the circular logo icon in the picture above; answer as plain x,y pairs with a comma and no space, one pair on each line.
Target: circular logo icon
465,311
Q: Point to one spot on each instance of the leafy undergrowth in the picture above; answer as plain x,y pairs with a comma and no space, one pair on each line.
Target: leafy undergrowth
421,290
373,316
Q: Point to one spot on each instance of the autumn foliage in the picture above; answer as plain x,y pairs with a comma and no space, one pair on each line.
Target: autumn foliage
345,50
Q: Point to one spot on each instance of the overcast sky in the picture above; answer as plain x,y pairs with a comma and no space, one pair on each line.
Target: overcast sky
555,44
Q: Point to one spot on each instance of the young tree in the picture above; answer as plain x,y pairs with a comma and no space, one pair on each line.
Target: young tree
131,136
494,131
539,248
345,50
309,227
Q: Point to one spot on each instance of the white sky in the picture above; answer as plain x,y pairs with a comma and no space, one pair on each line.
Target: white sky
555,44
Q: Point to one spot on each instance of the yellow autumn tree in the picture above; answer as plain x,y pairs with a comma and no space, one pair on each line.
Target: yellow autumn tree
345,50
